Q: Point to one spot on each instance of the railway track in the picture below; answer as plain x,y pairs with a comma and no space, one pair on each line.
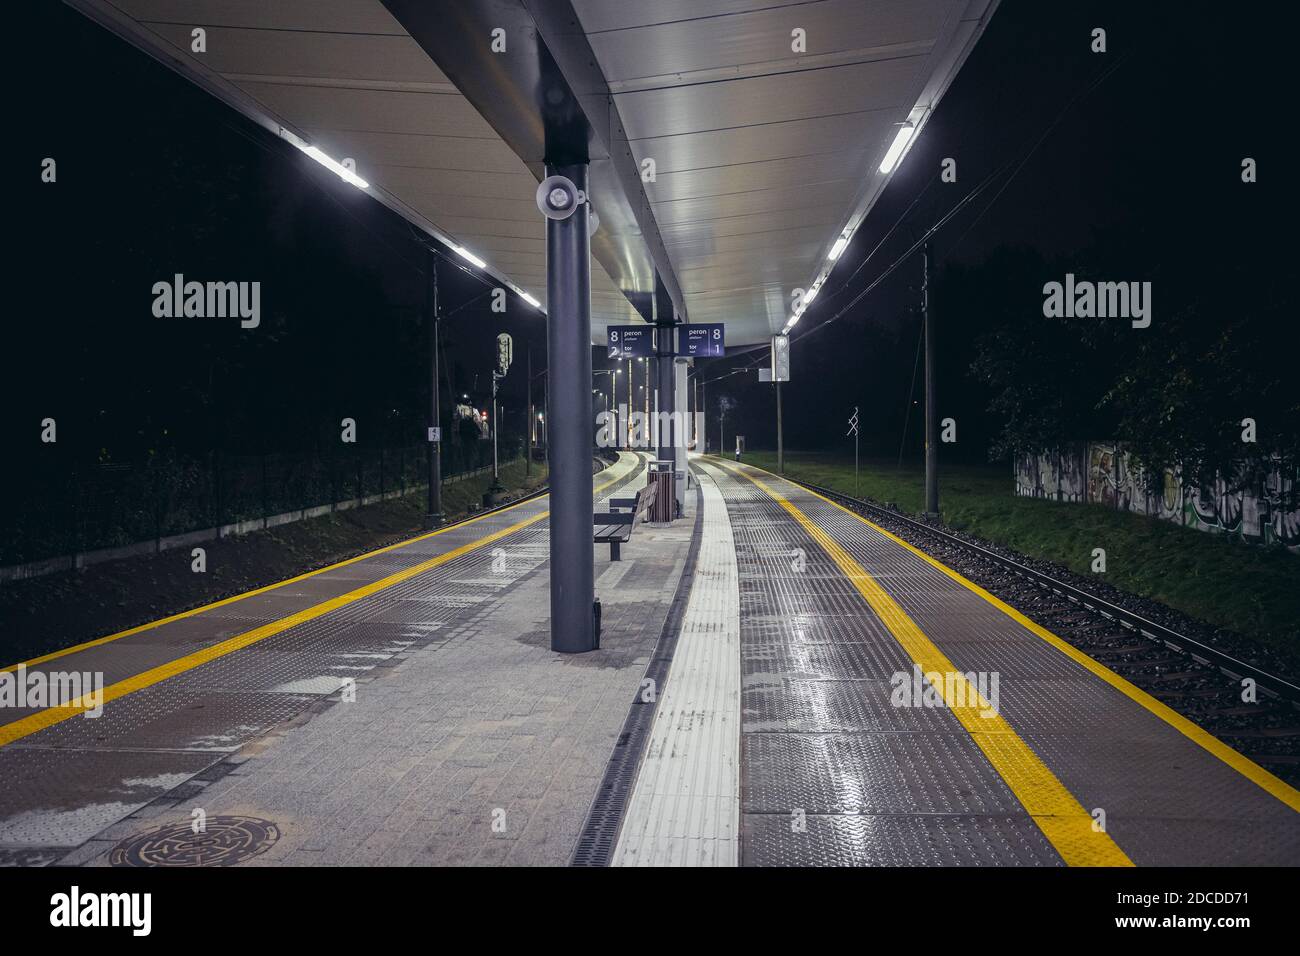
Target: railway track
1204,682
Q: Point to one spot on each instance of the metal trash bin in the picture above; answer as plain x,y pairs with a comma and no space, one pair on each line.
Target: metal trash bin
661,476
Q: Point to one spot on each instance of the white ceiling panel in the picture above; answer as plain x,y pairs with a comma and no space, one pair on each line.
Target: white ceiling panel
347,77
763,155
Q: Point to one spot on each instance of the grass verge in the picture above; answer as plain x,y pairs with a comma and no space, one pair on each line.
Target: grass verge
1251,590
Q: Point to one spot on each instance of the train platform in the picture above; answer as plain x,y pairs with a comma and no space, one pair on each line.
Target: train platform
894,713
780,682
401,707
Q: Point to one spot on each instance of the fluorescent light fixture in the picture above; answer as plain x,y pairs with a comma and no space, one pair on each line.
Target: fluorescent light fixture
896,148
530,300
333,165
343,173
840,245
809,296
469,257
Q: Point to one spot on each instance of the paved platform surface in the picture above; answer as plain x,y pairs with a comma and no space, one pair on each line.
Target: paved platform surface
468,741
834,697
1072,764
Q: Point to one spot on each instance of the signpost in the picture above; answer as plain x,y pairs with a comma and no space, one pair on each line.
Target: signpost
853,430
630,341
694,341
505,355
780,372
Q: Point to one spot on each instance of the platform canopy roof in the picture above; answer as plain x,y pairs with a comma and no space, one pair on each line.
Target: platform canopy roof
764,152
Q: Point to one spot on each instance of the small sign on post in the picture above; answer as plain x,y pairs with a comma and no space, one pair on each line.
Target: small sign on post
435,433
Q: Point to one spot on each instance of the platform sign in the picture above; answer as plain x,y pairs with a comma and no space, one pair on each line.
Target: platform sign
701,340
631,341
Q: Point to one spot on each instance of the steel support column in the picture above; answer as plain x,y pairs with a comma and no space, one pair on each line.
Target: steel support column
681,425
569,418
666,393
931,412
434,516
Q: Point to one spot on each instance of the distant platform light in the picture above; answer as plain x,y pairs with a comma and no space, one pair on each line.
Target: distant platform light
901,140
469,257
840,245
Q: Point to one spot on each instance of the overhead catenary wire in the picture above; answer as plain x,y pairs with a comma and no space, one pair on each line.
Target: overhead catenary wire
1014,165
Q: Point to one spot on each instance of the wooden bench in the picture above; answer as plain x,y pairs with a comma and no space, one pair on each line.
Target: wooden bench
614,527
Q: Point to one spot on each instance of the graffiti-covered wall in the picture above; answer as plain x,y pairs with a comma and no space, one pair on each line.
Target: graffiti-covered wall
1262,508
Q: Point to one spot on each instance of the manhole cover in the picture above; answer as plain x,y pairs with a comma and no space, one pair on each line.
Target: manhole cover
225,842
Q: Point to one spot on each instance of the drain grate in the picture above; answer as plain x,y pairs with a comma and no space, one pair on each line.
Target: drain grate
225,841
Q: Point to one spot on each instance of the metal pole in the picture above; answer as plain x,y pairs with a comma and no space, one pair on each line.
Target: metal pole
528,425
780,435
568,339
931,413
434,517
496,471
695,432
666,402
681,426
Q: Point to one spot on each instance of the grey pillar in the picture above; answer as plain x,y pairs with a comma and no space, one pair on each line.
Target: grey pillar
568,423
528,422
434,517
682,403
931,413
666,390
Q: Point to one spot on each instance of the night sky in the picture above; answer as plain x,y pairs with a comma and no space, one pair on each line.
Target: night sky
156,177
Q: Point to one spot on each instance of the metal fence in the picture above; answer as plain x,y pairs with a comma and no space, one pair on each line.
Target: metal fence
61,508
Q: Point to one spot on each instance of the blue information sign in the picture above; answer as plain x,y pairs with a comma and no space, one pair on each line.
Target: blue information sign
705,339
630,341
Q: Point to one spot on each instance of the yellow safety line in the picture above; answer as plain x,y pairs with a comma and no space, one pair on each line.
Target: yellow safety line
33,723
1063,820
270,587
1242,764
